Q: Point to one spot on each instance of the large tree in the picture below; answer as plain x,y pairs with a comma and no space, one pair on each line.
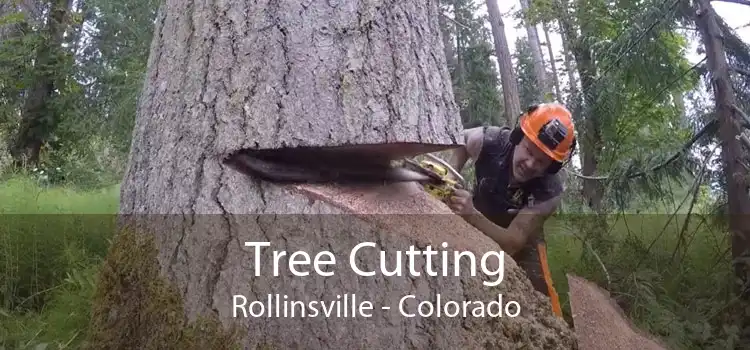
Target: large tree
274,76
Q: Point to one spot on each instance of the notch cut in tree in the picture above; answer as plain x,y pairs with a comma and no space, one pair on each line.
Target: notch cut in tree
231,76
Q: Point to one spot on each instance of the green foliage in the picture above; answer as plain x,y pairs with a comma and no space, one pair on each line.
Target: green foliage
669,274
16,53
36,241
475,78
638,65
117,61
483,105
528,88
97,81
50,248
52,281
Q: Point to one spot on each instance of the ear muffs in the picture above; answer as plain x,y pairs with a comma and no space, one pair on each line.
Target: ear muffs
555,167
516,135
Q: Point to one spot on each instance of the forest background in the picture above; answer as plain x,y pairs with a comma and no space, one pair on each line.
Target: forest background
647,192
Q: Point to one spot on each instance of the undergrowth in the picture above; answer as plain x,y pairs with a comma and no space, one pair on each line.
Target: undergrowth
672,279
51,243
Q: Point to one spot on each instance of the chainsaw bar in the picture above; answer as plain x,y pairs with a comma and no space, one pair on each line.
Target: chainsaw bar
317,167
416,167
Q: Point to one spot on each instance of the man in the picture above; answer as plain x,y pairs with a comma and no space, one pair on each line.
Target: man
514,167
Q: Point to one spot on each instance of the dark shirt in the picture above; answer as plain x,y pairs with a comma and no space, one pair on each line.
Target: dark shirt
493,195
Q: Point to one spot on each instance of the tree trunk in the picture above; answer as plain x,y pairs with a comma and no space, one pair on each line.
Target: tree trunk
293,74
511,99
732,152
536,55
590,132
553,64
569,68
460,71
7,30
31,16
448,48
38,117
679,104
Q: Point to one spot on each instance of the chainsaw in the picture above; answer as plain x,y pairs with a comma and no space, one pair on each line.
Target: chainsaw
445,179
318,165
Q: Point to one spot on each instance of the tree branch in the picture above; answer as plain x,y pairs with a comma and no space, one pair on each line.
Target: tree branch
745,118
741,2
454,21
741,71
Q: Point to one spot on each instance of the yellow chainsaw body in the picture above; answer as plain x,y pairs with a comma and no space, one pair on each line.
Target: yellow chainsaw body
444,190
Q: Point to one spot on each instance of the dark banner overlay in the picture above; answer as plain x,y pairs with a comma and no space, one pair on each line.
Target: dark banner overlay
272,273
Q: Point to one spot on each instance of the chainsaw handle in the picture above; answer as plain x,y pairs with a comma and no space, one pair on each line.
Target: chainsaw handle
453,171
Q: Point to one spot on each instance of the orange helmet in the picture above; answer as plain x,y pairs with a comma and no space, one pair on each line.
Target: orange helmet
550,127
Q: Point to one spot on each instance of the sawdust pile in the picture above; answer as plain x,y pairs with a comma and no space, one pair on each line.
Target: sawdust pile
600,323
395,217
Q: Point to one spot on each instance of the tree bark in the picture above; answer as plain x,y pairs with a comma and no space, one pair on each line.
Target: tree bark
569,67
460,94
299,74
348,76
732,152
590,132
448,45
536,54
511,99
553,64
679,104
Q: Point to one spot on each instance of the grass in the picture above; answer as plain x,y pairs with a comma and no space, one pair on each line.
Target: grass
674,283
53,239
51,242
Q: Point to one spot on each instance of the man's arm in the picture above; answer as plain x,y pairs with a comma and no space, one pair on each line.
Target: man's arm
470,150
528,222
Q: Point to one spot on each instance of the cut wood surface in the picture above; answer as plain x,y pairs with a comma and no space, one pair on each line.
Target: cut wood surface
599,321
395,217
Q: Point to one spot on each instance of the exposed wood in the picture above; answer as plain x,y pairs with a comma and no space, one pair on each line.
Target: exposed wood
600,323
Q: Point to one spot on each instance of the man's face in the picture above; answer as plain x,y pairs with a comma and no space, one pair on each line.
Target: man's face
529,161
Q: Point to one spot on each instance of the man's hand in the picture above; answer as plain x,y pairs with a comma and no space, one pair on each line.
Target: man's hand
461,202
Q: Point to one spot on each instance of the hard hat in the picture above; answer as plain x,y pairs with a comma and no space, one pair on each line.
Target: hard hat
550,127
